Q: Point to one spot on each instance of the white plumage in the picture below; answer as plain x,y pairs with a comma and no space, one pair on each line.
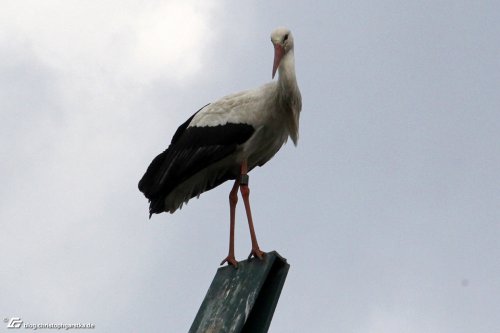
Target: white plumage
226,139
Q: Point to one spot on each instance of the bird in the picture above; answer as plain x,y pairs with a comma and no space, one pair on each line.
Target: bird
225,140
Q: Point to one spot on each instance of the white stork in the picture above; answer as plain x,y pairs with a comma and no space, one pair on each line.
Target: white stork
225,140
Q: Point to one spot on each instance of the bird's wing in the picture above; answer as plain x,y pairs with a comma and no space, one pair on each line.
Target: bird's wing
250,107
192,149
148,181
182,128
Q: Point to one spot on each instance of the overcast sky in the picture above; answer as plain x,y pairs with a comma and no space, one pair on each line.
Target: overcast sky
388,211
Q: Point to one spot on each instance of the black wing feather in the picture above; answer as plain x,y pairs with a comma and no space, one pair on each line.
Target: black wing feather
183,127
148,180
192,149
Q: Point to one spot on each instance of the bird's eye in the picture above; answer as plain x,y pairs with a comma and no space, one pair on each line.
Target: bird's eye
285,38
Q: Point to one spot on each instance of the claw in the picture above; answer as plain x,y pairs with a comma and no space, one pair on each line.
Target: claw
256,253
230,261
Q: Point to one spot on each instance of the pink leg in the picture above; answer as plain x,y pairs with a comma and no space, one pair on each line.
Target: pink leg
245,193
233,200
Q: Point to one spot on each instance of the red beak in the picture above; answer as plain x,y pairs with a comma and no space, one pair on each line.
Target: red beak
278,54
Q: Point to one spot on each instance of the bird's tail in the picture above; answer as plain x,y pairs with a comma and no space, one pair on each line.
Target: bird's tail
148,184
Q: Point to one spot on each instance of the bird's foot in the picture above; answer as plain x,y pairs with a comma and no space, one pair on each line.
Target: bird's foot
230,261
256,253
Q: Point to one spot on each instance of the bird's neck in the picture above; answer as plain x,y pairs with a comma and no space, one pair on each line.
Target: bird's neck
287,81
289,101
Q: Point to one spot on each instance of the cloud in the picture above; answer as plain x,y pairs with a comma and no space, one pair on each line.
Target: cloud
135,40
73,90
76,74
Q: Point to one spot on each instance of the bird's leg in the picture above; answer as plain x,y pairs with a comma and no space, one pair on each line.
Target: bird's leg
233,200
245,193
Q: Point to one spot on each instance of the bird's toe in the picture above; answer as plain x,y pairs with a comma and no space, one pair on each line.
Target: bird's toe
256,253
230,261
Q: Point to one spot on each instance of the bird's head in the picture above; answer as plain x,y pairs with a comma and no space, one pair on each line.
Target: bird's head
282,40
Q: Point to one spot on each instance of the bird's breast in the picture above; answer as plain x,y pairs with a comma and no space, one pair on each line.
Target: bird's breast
264,144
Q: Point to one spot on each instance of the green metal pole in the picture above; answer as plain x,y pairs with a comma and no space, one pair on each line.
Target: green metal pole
243,299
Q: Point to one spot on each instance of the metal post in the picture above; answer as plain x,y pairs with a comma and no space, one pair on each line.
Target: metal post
243,299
